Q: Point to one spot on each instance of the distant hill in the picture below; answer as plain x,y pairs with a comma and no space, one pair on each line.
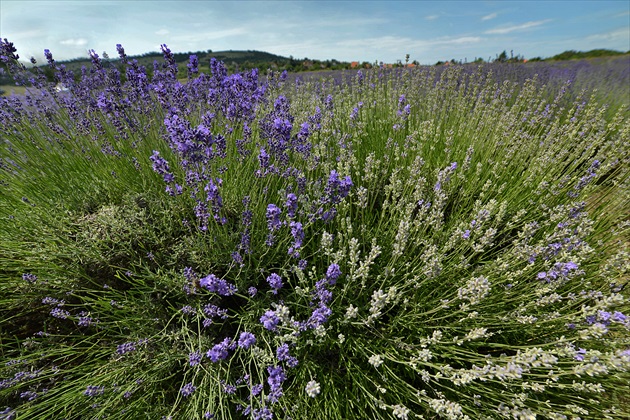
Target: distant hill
572,55
229,57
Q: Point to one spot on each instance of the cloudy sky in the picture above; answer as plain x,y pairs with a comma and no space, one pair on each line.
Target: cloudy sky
345,30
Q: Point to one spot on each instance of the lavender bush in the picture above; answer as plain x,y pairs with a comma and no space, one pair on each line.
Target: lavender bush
398,246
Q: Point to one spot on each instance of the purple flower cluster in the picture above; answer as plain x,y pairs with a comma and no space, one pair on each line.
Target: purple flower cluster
188,389
221,351
559,271
332,273
282,354
586,179
337,188
605,318
246,340
194,358
444,176
270,320
298,237
275,281
57,312
213,311
273,217
85,320
94,390
217,285
29,277
275,380
126,347
292,205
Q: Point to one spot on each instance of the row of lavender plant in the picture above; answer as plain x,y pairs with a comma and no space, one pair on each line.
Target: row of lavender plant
397,246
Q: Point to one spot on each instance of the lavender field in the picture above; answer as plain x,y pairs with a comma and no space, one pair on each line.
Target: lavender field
427,243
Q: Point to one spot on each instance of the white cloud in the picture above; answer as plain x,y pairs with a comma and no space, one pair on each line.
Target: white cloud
620,34
76,42
461,40
389,42
490,16
214,35
162,32
526,25
432,17
346,22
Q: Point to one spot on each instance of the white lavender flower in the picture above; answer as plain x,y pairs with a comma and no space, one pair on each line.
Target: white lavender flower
312,389
375,360
400,411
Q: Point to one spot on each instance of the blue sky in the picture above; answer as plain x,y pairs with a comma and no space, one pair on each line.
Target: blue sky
346,30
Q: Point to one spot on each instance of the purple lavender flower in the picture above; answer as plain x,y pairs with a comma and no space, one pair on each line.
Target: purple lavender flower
603,316
85,321
328,103
246,340
229,389
619,317
121,51
52,301
29,277
194,358
262,414
282,352
94,391
276,377
257,389
188,310
319,316
59,313
270,320
324,295
217,285
298,235
275,281
219,351
126,347
213,311
579,354
237,258
291,205
336,188
188,389
333,273
28,395
49,58
193,65
263,158
251,291
273,217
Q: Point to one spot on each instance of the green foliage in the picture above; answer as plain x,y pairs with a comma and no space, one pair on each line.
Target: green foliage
573,55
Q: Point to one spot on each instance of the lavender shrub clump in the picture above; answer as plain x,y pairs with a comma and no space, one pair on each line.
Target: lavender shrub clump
427,243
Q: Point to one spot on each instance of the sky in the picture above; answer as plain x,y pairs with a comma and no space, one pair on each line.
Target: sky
429,31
